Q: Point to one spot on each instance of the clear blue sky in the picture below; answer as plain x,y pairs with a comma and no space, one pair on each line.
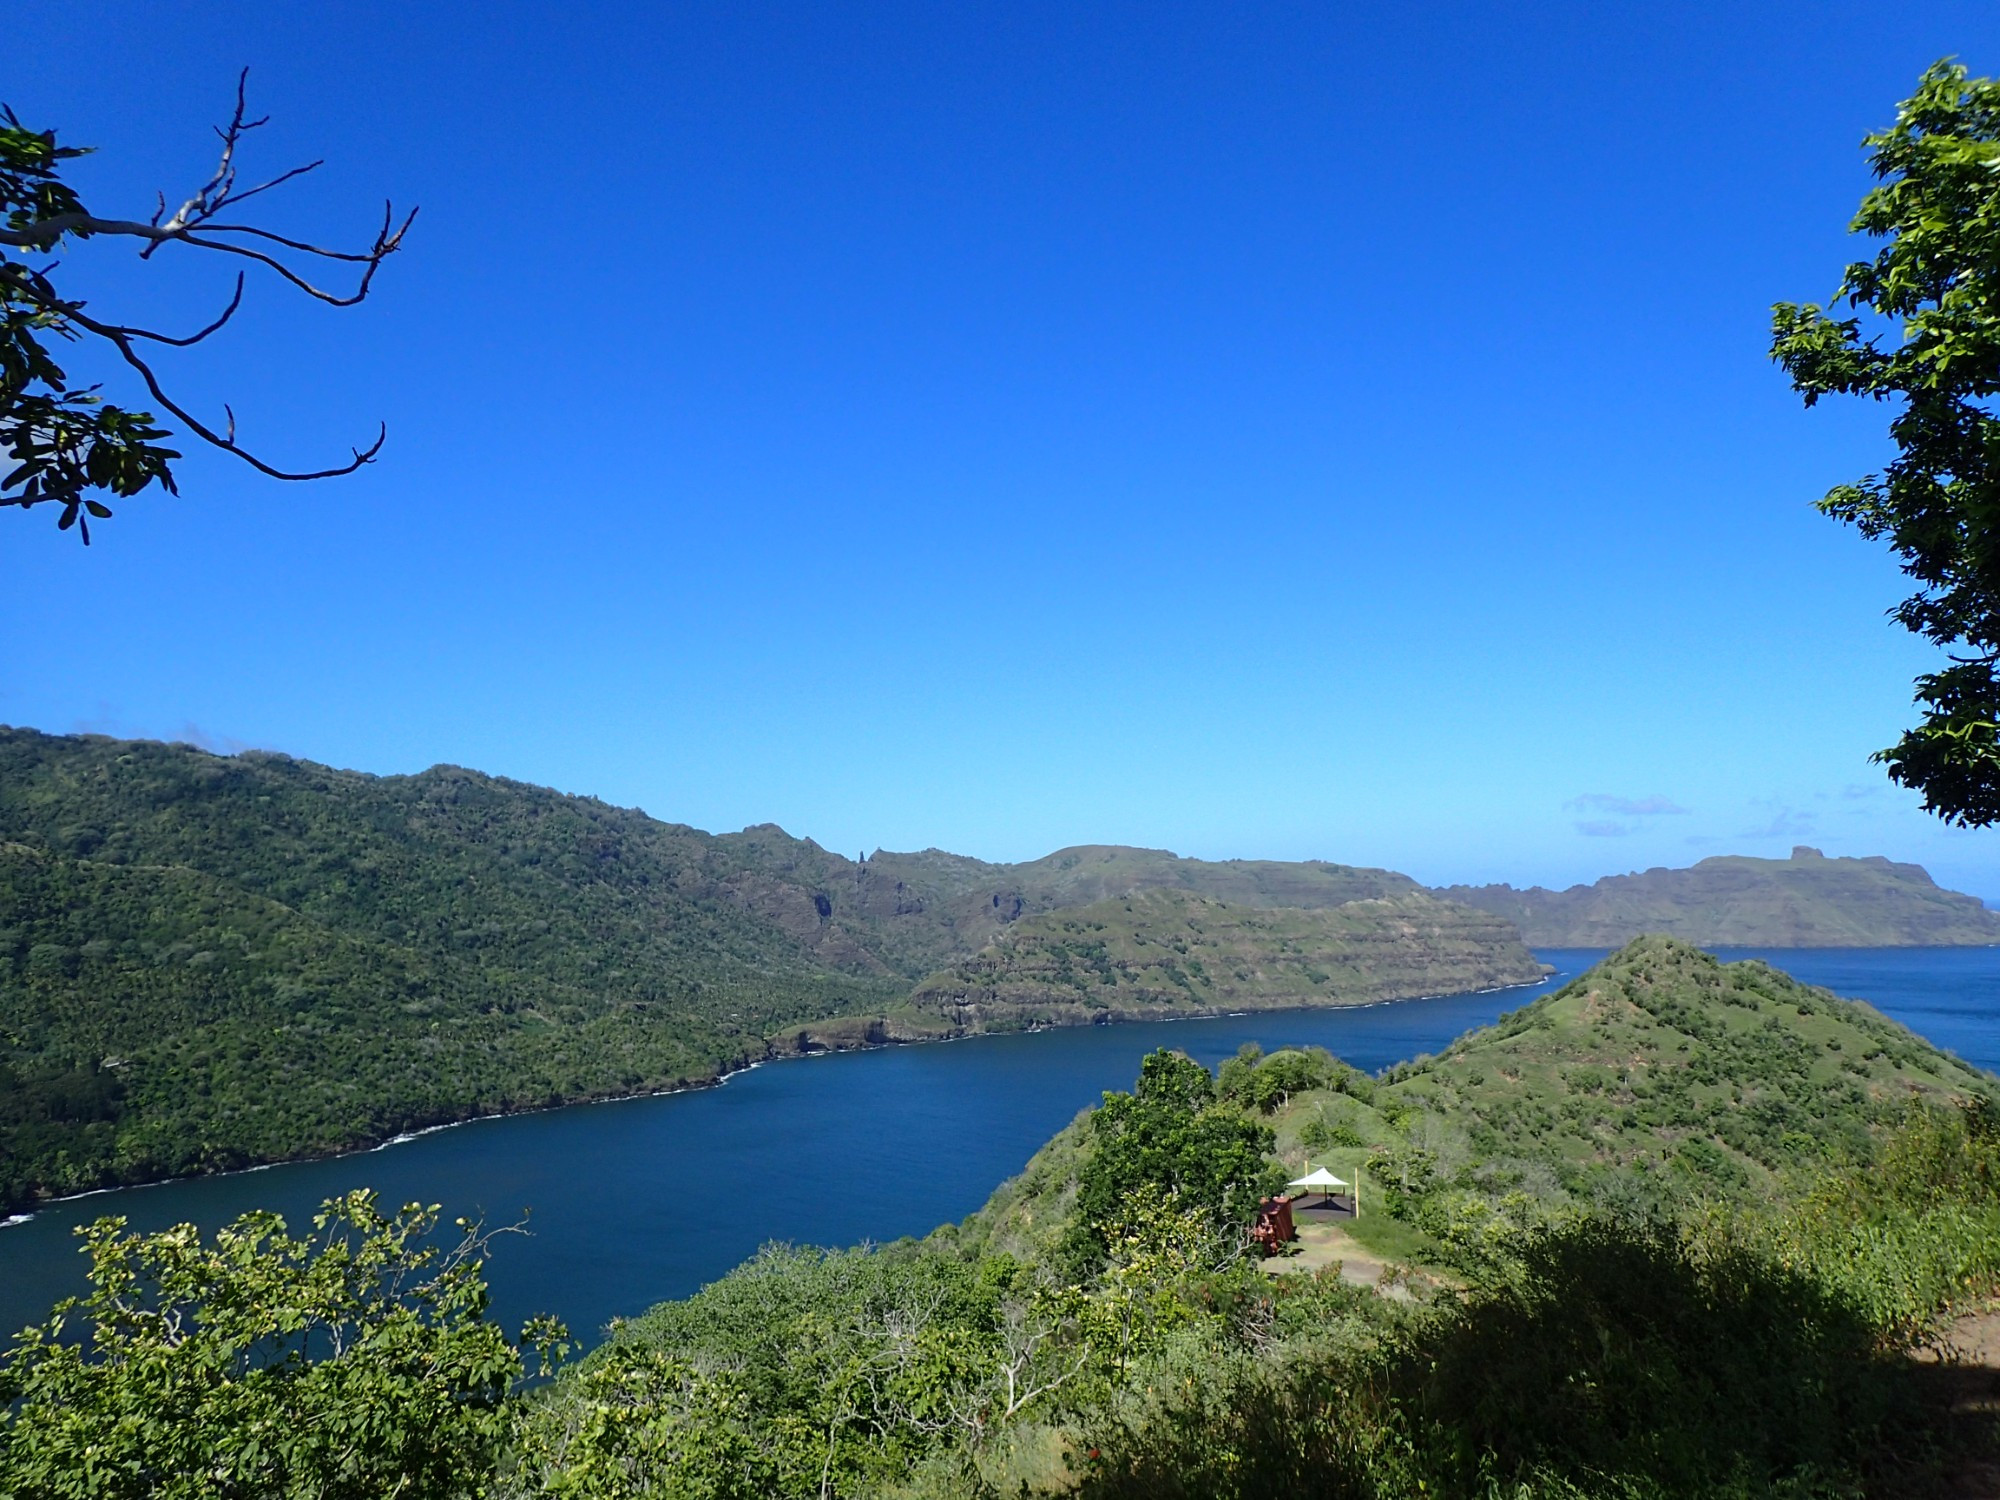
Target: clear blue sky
1291,430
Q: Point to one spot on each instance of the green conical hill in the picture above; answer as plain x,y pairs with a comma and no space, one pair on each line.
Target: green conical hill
1663,1060
1659,1078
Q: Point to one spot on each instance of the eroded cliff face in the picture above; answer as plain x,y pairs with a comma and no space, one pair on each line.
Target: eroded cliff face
1167,952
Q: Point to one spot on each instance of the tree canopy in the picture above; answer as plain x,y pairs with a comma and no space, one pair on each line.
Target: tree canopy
1926,336
1169,1136
355,1362
69,447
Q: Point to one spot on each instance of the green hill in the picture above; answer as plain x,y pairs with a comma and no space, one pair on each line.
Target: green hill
1807,901
210,961
1663,1071
1170,952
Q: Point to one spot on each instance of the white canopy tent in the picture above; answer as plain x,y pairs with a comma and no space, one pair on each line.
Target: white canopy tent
1321,1181
1319,1178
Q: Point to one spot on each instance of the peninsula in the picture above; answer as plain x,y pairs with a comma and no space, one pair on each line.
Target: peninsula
1171,952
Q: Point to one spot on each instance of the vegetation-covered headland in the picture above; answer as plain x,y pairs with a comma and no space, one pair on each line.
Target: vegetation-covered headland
1171,952
1672,1231
210,961
1807,901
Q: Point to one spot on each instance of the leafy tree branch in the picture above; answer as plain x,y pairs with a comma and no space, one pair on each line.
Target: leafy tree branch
69,447
1936,282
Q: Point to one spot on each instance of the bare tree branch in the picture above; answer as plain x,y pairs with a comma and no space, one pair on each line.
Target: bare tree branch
41,235
225,441
228,312
220,189
385,244
199,210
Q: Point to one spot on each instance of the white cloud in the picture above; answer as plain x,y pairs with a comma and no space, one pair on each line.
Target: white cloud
1603,828
1625,807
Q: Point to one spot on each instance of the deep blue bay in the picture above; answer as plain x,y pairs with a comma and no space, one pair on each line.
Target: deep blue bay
644,1199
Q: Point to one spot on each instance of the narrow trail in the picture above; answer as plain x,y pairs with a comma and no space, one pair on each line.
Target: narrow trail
1961,1381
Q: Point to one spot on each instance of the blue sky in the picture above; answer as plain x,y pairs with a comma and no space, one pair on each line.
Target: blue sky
1290,430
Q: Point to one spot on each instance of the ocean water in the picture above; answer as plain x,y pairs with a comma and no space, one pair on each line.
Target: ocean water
631,1202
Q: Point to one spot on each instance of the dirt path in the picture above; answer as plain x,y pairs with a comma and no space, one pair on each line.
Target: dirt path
1322,1245
1962,1380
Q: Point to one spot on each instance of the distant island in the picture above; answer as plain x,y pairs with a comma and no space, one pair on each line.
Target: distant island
1807,901
208,962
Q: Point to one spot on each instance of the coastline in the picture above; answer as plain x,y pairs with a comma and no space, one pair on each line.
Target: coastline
824,1038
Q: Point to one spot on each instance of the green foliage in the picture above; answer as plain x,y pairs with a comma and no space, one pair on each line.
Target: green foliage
65,442
837,1373
1322,1134
1936,285
1661,1077
800,1373
354,1362
1267,1083
1905,1237
642,1423
1170,1135
1170,1264
1615,1362
1614,1350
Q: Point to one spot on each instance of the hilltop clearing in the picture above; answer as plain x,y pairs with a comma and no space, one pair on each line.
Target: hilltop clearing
208,961
1658,1077
1807,901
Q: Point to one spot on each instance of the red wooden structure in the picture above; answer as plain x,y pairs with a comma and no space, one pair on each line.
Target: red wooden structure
1274,1225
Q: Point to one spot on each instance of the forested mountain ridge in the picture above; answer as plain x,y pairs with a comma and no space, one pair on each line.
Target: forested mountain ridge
1807,901
337,842
208,961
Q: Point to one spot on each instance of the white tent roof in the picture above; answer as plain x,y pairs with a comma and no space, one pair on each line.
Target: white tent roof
1319,1177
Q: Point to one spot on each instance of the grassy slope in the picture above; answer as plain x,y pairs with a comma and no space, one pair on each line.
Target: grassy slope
1664,1059
1803,902
208,961
1731,1354
1169,951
